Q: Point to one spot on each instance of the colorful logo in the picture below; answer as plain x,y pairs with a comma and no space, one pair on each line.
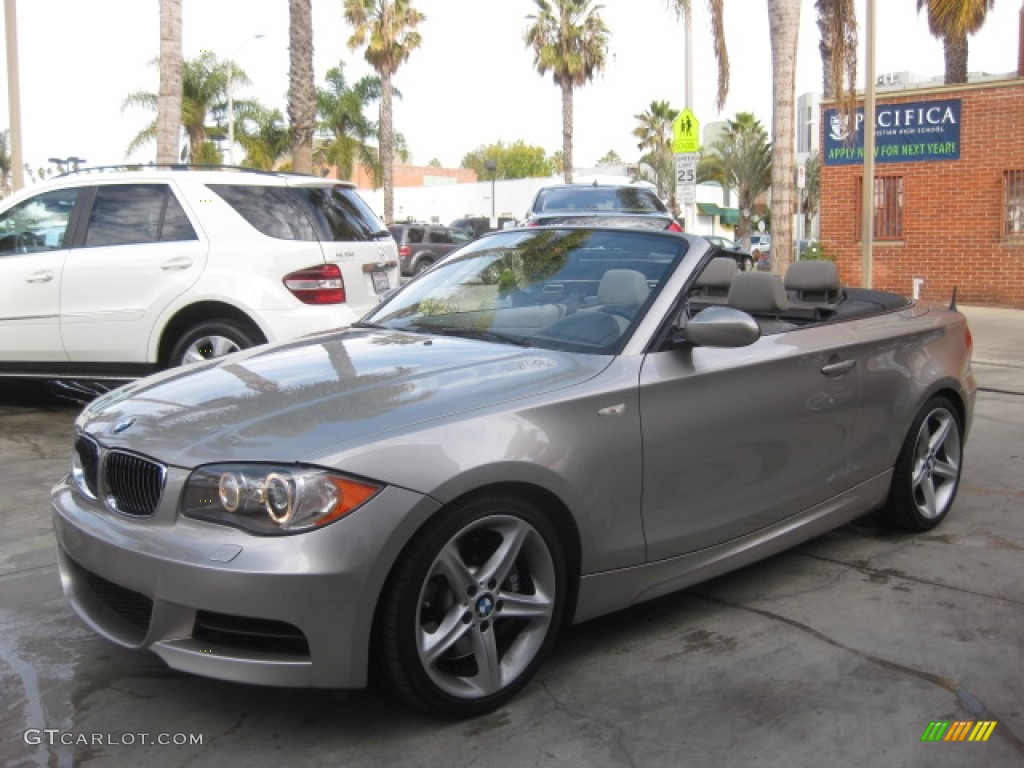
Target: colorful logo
958,730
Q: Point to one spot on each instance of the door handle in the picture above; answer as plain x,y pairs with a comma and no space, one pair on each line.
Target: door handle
182,262
40,277
838,369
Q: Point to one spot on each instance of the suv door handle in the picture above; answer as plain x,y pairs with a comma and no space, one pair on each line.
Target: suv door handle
839,368
40,277
182,262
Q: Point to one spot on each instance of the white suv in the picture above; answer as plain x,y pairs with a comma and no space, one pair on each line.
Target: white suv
111,274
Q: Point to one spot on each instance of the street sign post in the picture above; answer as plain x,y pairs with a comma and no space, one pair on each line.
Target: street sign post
686,178
685,145
685,132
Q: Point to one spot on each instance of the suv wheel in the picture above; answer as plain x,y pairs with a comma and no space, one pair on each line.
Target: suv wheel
422,266
210,339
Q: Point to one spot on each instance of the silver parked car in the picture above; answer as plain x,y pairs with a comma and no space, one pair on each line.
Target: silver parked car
551,424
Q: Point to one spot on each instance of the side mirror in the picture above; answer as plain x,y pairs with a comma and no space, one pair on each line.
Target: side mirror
717,327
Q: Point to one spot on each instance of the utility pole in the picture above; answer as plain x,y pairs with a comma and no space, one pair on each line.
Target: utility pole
867,193
690,216
14,95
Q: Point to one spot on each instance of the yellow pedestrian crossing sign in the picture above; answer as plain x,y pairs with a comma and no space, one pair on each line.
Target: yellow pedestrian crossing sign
685,132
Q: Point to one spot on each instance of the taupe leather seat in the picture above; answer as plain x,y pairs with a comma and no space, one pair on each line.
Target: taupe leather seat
813,288
620,294
712,285
623,287
763,295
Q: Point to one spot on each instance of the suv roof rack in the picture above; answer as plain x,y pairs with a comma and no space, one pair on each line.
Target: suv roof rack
177,167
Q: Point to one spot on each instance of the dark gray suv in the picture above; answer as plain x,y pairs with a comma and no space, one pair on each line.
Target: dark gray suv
420,245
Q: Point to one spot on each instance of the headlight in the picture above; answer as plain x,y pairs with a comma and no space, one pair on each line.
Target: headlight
268,498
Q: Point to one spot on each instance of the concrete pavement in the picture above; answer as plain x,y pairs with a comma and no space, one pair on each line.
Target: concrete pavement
837,653
998,347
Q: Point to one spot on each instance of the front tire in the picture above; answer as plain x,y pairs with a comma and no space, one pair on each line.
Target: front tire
210,339
927,472
473,607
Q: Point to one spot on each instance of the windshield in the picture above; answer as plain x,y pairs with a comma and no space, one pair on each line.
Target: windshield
574,289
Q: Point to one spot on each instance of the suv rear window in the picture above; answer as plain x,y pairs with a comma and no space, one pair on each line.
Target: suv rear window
413,233
303,213
635,199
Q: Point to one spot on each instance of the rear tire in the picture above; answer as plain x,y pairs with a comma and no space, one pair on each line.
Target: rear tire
211,339
927,472
473,606
422,266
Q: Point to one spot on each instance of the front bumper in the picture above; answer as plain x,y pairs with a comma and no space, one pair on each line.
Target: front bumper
215,601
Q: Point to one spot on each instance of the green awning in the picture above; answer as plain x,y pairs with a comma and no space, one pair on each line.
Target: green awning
727,215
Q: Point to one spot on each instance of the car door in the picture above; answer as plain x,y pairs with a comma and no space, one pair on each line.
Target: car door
739,439
34,240
139,252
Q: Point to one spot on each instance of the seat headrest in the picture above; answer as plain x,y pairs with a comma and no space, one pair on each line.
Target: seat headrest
758,292
625,287
817,276
718,273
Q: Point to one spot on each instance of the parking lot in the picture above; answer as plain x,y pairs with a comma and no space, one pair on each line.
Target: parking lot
840,652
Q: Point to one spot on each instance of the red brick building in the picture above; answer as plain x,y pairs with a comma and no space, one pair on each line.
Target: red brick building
949,193
413,176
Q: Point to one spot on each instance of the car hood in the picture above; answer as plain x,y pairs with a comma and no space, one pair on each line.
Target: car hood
302,400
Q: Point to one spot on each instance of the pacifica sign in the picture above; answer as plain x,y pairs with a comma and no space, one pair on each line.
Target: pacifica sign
904,133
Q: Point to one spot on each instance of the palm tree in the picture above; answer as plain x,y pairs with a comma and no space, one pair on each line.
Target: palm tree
837,25
301,89
6,162
741,160
715,9
784,21
342,113
168,113
783,24
264,137
570,40
952,21
388,30
812,190
203,93
655,134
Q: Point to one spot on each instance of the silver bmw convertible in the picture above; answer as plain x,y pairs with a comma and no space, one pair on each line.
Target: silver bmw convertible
549,425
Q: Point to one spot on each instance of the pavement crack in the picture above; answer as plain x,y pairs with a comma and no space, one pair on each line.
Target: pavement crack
33,706
620,733
893,574
24,571
994,391
966,699
993,491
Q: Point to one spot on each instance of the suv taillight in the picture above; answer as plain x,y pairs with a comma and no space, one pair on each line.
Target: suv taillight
404,251
674,227
317,285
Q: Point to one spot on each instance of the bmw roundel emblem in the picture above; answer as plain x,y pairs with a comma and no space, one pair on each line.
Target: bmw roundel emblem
485,606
